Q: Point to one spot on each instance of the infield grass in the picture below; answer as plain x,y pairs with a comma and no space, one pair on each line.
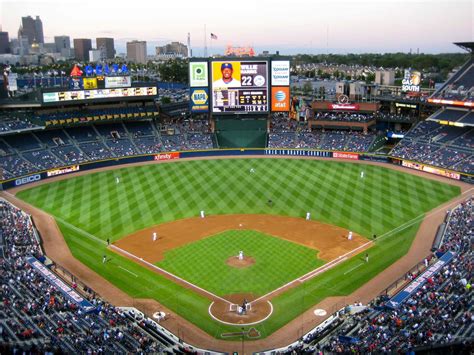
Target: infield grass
277,262
91,208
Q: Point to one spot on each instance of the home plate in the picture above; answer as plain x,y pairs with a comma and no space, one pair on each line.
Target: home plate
320,312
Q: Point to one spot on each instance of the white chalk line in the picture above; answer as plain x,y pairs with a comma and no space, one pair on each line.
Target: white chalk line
168,273
352,269
81,231
128,271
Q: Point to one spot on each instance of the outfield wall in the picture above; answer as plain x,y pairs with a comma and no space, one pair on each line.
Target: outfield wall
70,169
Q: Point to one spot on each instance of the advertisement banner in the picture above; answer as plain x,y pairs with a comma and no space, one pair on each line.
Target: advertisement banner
118,82
167,156
67,170
239,86
27,179
408,291
451,102
280,99
65,289
198,75
411,81
432,170
96,94
89,83
281,73
344,155
199,100
354,107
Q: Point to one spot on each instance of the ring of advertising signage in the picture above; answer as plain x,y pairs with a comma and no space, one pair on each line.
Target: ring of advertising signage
239,86
63,96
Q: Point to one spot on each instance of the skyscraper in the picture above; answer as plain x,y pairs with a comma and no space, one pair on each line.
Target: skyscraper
106,46
32,29
39,30
63,45
4,43
82,46
136,52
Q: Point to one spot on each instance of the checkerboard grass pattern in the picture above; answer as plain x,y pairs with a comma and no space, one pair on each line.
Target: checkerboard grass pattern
91,208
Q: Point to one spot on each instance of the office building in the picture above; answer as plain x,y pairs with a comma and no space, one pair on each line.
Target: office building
136,52
82,46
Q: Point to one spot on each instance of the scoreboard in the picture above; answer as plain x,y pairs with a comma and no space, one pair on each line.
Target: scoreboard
239,86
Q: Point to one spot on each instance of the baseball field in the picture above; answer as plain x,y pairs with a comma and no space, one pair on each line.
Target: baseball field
194,262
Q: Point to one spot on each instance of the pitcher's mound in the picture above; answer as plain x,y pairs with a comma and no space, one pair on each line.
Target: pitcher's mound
234,261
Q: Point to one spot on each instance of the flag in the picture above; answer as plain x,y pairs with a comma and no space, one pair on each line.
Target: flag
213,36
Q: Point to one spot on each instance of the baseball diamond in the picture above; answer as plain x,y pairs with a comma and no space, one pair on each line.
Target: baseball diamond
297,263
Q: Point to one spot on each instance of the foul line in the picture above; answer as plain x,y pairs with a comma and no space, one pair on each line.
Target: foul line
128,271
355,267
81,231
168,273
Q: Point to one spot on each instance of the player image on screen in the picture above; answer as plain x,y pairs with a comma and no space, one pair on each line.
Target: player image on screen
227,80
239,86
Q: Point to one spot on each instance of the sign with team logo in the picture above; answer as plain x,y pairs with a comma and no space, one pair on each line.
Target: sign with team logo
281,72
89,83
198,75
280,99
199,100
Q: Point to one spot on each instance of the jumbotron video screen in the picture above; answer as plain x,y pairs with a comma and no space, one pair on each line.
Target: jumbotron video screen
239,86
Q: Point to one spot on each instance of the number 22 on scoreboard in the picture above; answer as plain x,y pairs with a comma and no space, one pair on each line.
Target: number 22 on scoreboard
246,80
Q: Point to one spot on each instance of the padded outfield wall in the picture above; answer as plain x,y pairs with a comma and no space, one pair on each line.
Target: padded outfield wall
70,169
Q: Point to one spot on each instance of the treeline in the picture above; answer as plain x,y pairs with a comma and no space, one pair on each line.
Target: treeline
439,63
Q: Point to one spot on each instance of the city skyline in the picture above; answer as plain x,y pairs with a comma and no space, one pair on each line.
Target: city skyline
316,27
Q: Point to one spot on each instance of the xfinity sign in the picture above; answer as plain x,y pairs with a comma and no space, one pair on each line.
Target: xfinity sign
281,73
27,179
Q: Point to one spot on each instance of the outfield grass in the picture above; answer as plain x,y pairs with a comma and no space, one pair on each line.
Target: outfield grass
332,191
277,262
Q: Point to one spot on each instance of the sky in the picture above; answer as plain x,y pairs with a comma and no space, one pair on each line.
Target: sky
290,26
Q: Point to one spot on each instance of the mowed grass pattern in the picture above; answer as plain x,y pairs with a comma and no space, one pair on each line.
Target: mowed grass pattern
332,191
277,262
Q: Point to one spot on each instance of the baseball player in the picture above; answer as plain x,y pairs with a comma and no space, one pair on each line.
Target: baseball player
308,216
367,257
155,236
202,214
361,174
104,259
117,180
349,237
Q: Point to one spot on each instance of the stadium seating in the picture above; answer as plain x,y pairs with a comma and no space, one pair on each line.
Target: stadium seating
439,145
438,314
37,318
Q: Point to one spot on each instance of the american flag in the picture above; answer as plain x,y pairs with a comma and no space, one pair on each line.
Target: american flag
213,36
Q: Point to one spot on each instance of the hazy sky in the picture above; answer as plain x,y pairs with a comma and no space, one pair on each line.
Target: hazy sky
291,26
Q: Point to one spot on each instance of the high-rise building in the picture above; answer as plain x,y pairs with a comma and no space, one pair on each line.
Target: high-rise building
63,45
39,30
106,46
82,46
136,52
32,29
174,48
4,43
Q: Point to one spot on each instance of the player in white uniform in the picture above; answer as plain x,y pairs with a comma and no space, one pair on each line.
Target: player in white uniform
155,236
202,214
349,237
117,180
361,174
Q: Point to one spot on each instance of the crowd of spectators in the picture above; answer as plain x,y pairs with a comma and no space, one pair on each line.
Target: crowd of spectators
439,145
9,124
36,317
440,313
345,116
21,155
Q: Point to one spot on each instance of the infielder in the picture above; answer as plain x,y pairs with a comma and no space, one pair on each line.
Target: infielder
154,236
308,216
202,214
349,237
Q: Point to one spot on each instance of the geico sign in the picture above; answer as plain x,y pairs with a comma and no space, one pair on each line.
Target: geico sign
27,179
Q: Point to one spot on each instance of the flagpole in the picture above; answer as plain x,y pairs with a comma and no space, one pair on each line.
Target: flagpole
205,42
